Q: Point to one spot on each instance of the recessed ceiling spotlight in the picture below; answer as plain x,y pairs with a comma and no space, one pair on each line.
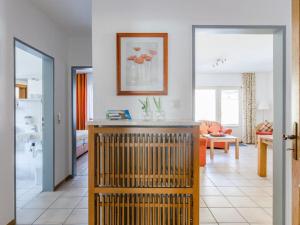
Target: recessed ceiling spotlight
219,62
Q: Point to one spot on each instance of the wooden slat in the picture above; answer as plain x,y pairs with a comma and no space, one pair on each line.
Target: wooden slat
118,159
123,161
164,161
138,161
169,162
149,160
175,156
159,152
128,162
113,160
144,156
133,162
184,163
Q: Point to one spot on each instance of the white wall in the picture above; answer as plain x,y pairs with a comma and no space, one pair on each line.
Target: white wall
80,51
264,93
175,17
6,128
219,80
22,20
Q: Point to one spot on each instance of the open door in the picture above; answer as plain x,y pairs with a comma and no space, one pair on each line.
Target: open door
296,114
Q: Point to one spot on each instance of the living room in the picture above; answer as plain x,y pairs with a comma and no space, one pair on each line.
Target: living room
234,104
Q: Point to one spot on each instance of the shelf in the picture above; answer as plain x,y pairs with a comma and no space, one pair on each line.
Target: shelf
29,100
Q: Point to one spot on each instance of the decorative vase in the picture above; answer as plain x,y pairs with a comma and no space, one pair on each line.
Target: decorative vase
147,115
159,115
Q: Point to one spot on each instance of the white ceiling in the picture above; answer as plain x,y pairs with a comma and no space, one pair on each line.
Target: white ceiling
244,52
74,16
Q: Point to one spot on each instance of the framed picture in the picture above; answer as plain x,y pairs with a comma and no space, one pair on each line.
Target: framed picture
142,63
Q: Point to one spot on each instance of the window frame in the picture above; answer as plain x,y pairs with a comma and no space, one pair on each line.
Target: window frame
218,106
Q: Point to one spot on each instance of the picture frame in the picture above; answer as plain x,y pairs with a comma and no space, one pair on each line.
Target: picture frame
142,63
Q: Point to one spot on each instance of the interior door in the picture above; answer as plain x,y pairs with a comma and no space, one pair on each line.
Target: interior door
295,113
48,123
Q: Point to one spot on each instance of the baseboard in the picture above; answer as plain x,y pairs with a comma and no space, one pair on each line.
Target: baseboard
13,222
62,182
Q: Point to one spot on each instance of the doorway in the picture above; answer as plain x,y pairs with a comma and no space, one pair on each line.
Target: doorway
241,192
82,112
34,122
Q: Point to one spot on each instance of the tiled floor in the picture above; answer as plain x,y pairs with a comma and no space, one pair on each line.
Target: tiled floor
68,205
231,194
231,191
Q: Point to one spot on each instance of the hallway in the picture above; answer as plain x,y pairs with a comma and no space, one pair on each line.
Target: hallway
231,193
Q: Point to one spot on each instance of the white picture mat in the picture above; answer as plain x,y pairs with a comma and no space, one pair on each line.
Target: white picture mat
148,76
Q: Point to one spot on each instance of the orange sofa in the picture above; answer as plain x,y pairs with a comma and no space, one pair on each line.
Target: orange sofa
207,127
202,151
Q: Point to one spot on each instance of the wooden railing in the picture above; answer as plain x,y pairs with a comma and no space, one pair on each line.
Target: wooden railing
143,176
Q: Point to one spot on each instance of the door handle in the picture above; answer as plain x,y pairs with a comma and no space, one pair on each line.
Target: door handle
289,137
294,138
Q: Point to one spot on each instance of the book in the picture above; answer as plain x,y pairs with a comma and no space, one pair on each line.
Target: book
118,115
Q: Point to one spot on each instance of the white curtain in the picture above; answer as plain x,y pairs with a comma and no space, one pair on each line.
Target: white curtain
90,110
249,107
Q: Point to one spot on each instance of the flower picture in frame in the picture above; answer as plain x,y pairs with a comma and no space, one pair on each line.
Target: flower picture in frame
142,63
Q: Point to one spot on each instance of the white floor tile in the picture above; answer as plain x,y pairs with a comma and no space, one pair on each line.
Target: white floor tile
266,202
227,215
66,203
231,191
216,201
39,203
209,191
241,202
78,216
206,216
83,204
255,215
28,216
53,216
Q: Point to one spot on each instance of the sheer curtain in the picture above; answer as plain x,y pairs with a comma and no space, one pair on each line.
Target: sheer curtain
249,107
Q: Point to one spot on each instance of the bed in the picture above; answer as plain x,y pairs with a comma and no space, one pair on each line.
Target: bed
81,142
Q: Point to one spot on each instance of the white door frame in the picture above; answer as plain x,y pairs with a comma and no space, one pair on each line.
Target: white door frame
279,94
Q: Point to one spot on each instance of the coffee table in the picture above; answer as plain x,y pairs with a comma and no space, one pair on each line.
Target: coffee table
226,138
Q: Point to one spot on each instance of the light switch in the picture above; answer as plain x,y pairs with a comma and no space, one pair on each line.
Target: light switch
59,118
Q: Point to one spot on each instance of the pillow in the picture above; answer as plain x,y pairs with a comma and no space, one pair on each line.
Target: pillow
203,129
266,127
214,129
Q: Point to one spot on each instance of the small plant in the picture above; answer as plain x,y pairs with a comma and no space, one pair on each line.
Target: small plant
145,105
157,103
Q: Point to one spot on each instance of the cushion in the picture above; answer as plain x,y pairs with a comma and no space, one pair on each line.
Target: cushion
203,128
264,132
266,127
214,129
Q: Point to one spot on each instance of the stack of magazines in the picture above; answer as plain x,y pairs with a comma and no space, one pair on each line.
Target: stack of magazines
118,115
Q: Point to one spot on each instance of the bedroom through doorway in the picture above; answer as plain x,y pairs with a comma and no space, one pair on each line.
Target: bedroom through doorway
82,112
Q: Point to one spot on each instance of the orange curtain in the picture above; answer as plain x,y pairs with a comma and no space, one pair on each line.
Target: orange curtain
81,101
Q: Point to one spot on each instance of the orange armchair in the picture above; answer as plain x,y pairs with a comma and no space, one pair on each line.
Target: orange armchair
207,127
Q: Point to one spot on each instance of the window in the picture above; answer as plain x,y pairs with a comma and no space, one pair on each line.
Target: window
230,109
218,104
205,104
